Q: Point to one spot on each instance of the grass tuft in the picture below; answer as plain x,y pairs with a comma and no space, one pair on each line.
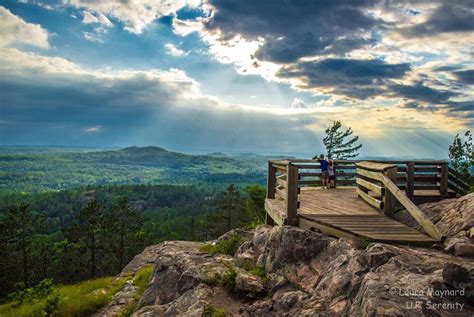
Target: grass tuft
141,280
82,299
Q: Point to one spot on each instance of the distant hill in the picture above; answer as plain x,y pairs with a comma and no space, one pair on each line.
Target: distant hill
38,169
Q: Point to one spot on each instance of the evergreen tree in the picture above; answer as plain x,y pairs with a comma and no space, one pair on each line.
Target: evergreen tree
230,204
461,155
339,143
90,221
256,201
18,229
123,221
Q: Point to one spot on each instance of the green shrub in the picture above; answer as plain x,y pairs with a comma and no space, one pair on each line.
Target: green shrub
211,311
213,280
227,246
259,271
228,279
208,248
51,306
22,294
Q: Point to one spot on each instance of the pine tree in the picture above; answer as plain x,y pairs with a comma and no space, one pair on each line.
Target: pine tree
230,204
18,229
123,221
256,202
461,155
340,144
90,221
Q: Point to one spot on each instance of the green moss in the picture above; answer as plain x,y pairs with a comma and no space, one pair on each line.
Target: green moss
259,270
227,246
363,243
213,280
81,299
211,311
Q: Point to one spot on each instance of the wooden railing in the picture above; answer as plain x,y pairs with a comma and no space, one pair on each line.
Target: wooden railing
411,175
282,184
457,183
371,188
286,177
376,185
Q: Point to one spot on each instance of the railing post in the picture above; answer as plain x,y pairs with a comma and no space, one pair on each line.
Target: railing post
271,181
388,198
292,195
410,185
443,183
335,177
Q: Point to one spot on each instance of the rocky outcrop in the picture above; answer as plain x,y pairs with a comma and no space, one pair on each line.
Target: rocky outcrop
127,295
287,271
455,219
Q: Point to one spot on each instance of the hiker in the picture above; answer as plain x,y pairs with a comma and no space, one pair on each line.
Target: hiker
324,171
331,173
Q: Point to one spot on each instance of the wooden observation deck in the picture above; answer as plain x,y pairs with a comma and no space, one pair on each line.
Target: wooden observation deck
364,200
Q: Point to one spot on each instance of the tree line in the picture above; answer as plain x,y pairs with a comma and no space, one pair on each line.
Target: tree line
102,236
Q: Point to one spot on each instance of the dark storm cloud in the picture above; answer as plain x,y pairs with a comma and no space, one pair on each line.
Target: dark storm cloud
293,29
422,93
452,16
355,78
465,76
466,107
80,99
137,108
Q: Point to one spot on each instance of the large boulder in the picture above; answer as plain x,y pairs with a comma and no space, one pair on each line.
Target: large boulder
289,245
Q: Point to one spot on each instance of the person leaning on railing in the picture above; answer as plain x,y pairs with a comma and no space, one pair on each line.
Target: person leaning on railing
324,170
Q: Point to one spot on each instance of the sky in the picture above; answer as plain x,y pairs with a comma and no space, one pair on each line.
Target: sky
237,76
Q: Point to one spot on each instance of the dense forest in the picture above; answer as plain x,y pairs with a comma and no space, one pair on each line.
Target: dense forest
46,169
78,234
70,214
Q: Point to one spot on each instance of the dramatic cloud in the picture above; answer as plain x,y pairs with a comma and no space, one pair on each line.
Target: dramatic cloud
465,76
355,78
292,30
399,72
14,30
423,93
64,102
450,17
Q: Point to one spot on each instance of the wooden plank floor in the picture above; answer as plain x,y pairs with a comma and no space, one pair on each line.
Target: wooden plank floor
340,212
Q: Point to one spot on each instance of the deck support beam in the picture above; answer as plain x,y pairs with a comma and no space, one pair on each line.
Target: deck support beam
410,182
292,195
443,183
388,198
271,181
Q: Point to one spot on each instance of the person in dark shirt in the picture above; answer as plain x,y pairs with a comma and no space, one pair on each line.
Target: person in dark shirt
324,171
